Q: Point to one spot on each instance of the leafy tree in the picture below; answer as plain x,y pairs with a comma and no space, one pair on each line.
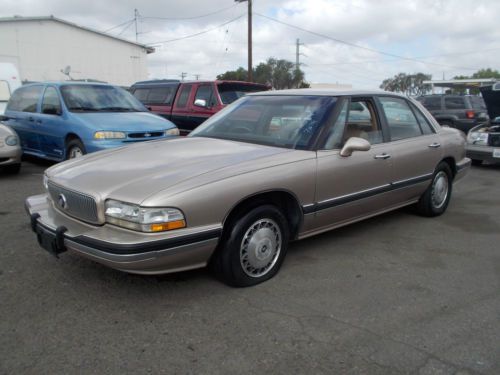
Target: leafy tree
409,84
481,73
279,73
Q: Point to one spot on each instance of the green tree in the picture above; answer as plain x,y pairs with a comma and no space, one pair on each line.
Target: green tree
278,73
481,73
409,84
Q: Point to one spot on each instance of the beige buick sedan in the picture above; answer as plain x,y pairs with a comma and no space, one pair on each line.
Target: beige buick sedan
270,168
10,150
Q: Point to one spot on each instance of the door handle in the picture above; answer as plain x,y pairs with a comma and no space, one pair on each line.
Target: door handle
31,119
38,121
382,156
435,145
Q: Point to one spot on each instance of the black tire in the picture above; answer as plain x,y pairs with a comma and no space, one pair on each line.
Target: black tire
432,203
234,259
476,162
75,148
12,169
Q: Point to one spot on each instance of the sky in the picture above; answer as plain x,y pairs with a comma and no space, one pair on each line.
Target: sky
357,42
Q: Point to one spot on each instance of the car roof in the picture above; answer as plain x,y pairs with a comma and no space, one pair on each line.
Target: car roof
324,92
66,83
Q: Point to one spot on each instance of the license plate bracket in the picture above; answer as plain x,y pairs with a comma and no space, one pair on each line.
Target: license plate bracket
53,242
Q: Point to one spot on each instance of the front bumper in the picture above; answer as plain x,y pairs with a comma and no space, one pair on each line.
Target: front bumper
125,250
10,155
484,153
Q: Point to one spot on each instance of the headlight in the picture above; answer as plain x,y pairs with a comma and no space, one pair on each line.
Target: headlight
477,138
45,182
11,140
173,131
143,219
109,135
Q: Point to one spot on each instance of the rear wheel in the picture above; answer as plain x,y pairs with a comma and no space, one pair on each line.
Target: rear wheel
435,199
254,248
75,149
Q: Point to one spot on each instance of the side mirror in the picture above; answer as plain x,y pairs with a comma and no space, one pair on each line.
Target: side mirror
4,118
355,144
200,103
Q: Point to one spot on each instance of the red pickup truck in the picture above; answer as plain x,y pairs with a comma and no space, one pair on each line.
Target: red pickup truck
188,104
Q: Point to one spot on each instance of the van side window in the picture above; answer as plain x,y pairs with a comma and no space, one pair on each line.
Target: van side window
25,99
184,96
51,104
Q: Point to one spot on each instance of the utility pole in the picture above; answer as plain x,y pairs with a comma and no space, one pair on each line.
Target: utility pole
196,76
183,75
250,72
136,16
297,53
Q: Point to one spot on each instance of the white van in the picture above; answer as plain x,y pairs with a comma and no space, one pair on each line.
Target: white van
9,81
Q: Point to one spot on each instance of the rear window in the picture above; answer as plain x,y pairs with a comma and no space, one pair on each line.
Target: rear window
477,102
229,92
432,103
454,102
155,95
25,99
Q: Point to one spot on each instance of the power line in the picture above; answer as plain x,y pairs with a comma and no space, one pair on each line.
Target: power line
357,45
117,26
125,28
199,33
189,18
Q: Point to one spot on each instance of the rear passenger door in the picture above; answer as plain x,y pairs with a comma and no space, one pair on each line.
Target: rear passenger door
416,148
181,112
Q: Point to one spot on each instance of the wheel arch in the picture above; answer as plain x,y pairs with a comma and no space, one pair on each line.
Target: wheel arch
285,200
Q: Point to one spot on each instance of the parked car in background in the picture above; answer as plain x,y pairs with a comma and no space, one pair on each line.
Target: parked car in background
10,149
483,141
188,104
9,82
270,168
462,112
65,120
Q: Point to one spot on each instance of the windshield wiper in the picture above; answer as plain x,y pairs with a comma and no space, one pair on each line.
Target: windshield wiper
118,109
84,109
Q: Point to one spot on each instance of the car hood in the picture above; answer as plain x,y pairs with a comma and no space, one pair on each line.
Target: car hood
492,101
124,121
135,172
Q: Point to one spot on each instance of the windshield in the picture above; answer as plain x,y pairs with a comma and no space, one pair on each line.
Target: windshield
282,121
99,98
229,92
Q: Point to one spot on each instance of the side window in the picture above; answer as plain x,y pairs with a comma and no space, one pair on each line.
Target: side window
25,99
422,120
51,104
160,95
141,94
400,118
362,122
432,103
206,93
334,139
454,103
184,96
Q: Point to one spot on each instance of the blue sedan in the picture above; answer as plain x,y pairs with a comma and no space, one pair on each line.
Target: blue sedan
65,120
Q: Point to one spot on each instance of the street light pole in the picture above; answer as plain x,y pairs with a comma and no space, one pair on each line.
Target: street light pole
250,72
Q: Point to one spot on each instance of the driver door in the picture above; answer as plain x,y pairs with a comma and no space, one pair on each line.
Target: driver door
356,185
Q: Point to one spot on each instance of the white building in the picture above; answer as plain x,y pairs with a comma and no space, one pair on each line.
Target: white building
41,47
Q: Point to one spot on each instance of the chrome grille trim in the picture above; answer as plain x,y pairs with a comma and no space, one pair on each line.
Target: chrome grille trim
80,206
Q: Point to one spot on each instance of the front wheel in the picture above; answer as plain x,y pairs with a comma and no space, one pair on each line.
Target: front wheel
254,249
75,149
435,199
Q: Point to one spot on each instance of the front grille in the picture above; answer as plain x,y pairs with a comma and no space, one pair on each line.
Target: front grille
78,205
145,135
494,140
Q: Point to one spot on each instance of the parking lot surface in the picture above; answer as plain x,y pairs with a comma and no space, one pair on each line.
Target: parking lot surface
394,294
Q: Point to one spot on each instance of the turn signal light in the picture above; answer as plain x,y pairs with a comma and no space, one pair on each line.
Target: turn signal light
161,227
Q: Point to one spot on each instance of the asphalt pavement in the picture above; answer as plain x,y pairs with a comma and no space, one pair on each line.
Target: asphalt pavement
394,294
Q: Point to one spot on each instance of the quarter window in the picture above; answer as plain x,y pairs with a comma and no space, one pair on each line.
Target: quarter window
51,104
141,94
25,99
400,118
184,96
